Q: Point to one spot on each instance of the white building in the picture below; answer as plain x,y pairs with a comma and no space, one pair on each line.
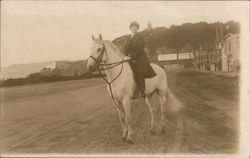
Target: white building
230,53
175,60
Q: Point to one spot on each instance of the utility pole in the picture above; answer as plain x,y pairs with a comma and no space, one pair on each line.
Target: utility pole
177,53
217,45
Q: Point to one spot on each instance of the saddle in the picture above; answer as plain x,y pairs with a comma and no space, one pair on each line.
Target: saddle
137,90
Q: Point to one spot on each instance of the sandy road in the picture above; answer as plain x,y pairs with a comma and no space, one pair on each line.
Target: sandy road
78,117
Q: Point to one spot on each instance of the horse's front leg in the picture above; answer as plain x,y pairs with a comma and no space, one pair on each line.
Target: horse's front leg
128,119
121,114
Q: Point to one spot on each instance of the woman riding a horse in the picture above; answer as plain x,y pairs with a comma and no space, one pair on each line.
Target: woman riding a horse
140,65
106,57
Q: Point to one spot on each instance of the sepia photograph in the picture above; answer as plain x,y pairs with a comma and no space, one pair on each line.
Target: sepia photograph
124,79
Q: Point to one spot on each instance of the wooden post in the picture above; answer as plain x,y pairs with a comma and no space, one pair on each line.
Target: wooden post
200,56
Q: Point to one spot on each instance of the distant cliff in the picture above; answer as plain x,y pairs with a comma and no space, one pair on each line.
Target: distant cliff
22,70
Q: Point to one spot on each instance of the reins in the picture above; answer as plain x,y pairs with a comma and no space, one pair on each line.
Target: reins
112,65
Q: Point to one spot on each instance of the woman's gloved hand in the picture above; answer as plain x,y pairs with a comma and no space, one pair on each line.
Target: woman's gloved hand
126,58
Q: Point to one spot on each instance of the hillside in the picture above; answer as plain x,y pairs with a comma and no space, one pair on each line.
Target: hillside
183,37
180,38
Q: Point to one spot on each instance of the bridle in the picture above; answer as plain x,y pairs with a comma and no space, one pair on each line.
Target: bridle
99,63
99,58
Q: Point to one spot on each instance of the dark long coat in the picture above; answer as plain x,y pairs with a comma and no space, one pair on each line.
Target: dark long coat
135,49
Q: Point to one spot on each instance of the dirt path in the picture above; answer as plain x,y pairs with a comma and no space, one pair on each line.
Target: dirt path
78,117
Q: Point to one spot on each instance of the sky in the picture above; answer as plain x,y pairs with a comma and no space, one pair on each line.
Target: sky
38,31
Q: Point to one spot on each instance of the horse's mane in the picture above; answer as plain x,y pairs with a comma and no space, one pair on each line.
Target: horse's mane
113,47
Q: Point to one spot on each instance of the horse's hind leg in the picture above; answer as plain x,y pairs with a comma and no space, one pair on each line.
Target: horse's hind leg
152,111
162,98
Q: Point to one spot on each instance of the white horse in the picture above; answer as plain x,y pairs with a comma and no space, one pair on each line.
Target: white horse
123,87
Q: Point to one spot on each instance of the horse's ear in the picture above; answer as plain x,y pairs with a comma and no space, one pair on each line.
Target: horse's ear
100,37
93,38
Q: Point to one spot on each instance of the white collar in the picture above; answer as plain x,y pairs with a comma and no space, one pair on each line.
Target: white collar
132,35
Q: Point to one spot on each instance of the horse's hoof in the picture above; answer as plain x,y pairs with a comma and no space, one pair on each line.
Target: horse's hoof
152,132
123,139
130,141
162,131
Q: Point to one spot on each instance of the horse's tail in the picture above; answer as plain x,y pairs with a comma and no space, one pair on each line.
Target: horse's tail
173,104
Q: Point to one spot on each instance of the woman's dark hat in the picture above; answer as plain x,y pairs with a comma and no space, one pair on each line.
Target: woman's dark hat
134,23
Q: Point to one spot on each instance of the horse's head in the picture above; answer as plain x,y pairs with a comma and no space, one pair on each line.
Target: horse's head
97,54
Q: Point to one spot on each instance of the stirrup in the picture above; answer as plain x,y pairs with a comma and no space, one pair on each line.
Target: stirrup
143,95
